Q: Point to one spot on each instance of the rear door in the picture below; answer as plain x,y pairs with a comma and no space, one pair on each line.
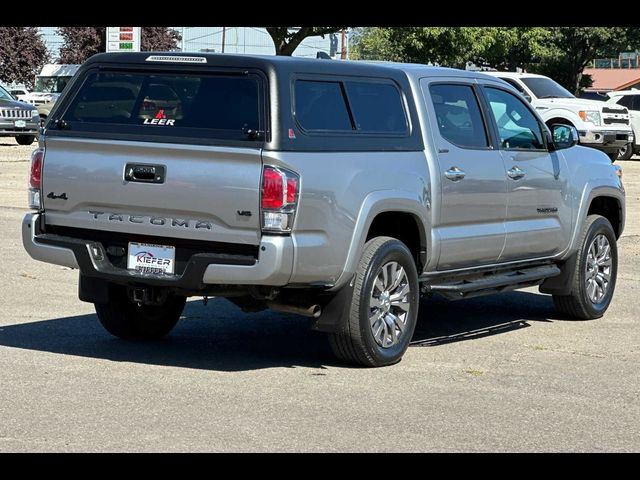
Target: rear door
155,153
472,177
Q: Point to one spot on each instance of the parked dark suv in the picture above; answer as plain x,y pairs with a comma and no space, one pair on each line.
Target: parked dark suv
18,119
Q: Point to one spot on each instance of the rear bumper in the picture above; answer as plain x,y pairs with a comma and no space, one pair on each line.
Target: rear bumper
272,268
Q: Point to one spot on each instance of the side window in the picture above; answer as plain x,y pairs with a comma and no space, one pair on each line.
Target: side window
321,106
518,128
458,115
627,101
376,107
514,84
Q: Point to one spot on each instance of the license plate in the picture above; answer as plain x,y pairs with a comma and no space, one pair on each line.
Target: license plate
145,258
20,123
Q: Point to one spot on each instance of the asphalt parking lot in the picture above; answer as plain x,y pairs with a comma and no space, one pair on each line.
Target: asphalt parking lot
501,373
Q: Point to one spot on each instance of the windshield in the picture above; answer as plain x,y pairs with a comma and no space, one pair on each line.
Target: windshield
4,95
546,88
51,84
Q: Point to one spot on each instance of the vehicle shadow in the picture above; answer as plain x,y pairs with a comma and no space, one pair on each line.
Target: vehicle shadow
220,337
442,321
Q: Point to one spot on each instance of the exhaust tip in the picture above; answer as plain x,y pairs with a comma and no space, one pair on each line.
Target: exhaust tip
315,311
311,311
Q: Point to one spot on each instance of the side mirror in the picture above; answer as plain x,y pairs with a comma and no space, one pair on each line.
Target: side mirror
527,97
564,136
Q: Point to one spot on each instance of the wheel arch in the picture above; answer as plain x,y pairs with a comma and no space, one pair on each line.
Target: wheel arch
561,115
383,205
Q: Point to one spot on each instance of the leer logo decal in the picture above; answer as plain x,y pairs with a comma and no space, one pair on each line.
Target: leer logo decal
169,122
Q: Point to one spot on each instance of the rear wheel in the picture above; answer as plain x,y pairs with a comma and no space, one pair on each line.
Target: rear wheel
123,318
384,306
25,139
626,152
594,278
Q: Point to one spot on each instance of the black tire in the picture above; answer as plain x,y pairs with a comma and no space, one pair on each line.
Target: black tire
613,156
577,304
626,152
354,340
25,139
125,319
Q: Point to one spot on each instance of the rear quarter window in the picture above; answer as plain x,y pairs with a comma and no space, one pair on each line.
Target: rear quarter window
350,106
321,106
377,107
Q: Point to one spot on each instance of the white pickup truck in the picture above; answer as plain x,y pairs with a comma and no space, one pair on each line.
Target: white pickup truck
50,83
629,99
600,125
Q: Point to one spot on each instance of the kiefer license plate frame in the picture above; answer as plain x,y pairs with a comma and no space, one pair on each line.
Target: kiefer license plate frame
149,258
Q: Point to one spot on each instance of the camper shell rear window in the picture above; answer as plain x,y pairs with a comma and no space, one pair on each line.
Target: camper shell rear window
218,105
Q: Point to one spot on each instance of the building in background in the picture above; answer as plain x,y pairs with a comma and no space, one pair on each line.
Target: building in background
613,74
245,40
613,79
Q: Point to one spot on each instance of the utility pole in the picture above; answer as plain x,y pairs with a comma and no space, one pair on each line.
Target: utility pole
224,32
343,50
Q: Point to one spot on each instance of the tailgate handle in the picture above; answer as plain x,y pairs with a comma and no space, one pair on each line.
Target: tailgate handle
144,172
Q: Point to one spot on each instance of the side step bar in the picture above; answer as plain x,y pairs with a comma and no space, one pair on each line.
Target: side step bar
492,283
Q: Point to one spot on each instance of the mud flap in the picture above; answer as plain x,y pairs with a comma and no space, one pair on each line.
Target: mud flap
93,290
561,284
336,311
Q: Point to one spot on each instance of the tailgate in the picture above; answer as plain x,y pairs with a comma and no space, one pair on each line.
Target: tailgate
203,189
152,151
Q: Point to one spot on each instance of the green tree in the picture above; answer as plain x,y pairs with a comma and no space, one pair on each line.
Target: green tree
447,46
287,39
374,43
22,54
510,48
573,48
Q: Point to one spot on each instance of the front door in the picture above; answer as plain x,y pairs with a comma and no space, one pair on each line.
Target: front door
473,192
538,204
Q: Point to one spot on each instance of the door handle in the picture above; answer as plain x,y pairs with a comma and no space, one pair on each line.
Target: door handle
516,173
454,174
144,173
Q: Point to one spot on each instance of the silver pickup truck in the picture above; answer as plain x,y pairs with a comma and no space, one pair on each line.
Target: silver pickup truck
342,191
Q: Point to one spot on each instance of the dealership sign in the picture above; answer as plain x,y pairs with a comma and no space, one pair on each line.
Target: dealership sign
123,39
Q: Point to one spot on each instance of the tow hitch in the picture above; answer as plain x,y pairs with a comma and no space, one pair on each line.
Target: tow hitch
147,295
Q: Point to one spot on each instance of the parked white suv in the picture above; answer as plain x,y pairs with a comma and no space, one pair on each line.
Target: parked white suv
629,99
601,125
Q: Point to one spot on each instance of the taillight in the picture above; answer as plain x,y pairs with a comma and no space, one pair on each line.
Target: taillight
36,168
272,188
35,178
279,199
